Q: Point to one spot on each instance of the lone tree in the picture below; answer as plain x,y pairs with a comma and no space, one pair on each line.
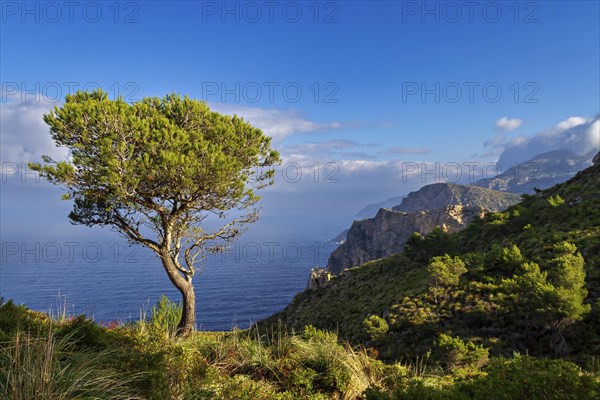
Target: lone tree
155,170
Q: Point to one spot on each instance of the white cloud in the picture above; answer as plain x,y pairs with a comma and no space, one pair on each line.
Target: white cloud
276,123
508,124
332,149
577,134
568,123
24,135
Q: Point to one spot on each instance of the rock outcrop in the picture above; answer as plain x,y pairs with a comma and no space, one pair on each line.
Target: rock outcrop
387,233
319,277
440,195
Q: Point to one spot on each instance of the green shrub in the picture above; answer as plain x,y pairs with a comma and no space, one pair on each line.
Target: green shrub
529,378
376,327
556,201
241,387
14,318
521,378
166,315
445,272
459,357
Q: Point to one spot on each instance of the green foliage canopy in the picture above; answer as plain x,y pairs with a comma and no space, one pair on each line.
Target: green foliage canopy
157,162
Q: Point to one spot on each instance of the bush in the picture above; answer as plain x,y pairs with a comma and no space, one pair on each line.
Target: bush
459,357
376,327
556,201
166,315
529,378
14,318
521,378
241,387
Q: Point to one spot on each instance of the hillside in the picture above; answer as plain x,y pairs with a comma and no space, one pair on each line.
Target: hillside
530,284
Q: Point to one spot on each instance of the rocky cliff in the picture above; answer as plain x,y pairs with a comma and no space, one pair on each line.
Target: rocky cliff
440,195
387,233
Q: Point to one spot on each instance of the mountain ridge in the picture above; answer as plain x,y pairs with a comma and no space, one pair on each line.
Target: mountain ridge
540,172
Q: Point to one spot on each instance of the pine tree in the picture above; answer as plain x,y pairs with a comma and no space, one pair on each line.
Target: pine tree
155,170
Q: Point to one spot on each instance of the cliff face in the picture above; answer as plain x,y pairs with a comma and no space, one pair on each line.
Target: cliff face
387,233
440,195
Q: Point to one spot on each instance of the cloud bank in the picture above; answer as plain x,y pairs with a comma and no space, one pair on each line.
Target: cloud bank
276,123
577,134
24,135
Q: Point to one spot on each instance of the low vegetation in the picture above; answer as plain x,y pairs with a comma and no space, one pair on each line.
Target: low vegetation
43,358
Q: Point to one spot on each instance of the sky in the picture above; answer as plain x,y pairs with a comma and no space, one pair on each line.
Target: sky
359,97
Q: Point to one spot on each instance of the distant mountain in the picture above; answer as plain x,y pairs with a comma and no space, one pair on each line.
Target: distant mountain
441,195
371,210
387,233
542,171
341,237
449,206
494,194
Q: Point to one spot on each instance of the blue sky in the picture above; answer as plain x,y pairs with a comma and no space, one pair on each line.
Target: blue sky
361,66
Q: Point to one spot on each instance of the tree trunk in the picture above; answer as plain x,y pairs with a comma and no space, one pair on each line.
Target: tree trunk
187,324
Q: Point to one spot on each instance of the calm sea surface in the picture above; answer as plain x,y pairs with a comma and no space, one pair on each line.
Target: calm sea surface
111,281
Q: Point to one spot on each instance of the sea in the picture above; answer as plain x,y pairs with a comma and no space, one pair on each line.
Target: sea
113,281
